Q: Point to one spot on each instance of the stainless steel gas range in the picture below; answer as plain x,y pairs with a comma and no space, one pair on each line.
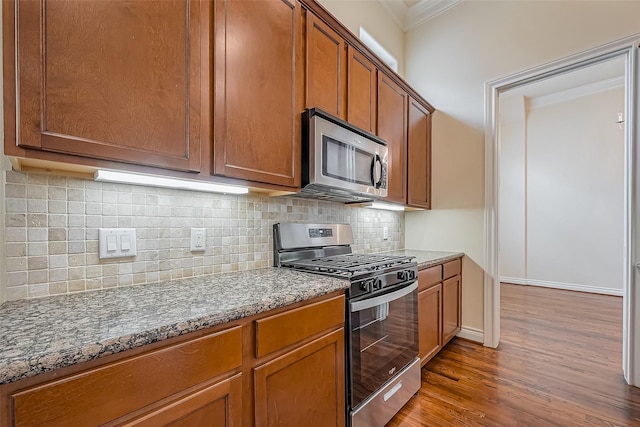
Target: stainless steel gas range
383,368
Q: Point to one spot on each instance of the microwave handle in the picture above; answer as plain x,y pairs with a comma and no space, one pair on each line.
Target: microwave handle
376,171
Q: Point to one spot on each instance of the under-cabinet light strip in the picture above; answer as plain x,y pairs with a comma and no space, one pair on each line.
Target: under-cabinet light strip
164,182
386,206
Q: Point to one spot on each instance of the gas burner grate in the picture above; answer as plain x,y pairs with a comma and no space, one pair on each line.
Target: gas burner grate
348,264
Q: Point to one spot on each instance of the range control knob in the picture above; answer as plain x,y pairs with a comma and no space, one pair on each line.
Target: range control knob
377,284
366,285
403,274
412,274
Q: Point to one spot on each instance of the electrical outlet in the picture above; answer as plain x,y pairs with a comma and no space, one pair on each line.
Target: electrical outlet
198,239
385,233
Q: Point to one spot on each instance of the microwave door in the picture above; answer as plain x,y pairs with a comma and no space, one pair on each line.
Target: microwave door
348,164
345,162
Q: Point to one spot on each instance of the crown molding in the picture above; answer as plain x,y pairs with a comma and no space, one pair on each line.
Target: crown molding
425,10
410,17
573,93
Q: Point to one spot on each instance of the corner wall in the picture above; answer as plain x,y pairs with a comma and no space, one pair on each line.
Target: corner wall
448,60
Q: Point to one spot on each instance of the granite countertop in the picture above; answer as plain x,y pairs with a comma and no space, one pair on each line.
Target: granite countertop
426,259
44,334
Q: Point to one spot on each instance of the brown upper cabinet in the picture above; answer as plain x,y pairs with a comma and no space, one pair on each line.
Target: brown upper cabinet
110,80
419,156
259,87
392,127
212,90
361,91
326,68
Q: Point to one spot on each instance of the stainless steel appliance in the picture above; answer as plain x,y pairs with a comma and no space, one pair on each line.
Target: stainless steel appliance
341,162
383,368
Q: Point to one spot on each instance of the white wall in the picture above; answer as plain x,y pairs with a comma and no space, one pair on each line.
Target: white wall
375,19
575,183
448,60
512,202
561,193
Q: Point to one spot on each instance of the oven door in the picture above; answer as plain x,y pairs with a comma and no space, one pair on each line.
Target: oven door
384,339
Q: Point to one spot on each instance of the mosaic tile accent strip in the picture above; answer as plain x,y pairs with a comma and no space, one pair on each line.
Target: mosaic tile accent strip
52,222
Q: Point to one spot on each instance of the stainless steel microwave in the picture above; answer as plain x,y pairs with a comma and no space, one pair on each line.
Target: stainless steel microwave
341,162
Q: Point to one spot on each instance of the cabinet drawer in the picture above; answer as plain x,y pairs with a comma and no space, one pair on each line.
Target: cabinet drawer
429,276
290,327
103,394
452,268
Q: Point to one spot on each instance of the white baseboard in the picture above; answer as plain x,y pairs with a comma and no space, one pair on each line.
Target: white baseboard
471,334
565,286
514,280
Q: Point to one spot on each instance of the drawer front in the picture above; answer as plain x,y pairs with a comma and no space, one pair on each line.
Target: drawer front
429,276
103,394
452,268
276,332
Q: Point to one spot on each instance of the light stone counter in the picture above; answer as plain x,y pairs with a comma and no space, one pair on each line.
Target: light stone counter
44,334
426,259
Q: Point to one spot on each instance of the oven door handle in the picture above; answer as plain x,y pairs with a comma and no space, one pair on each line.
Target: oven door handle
386,298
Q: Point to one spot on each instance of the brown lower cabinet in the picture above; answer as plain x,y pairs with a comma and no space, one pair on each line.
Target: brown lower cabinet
205,378
439,307
451,313
430,321
283,398
219,404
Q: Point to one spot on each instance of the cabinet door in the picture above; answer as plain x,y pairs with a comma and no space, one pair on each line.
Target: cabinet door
304,386
392,127
219,404
116,80
430,322
361,91
258,90
419,156
326,68
451,310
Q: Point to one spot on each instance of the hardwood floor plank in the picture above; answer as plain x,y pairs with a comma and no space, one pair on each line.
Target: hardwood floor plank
559,363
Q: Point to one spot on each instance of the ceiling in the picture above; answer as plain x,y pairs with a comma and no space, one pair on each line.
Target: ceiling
409,14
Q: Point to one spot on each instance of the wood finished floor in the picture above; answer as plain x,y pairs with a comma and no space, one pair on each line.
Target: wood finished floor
558,364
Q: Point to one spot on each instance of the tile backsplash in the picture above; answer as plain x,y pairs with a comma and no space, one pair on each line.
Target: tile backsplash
52,222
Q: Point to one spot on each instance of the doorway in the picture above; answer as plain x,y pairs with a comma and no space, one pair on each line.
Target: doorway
624,51
561,181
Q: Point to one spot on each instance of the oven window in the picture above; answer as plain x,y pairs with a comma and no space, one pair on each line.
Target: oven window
384,339
345,162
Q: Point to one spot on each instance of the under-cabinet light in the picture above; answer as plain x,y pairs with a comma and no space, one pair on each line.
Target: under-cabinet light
385,206
164,182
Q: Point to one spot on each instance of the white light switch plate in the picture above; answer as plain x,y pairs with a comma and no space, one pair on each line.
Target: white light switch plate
385,233
198,239
117,242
